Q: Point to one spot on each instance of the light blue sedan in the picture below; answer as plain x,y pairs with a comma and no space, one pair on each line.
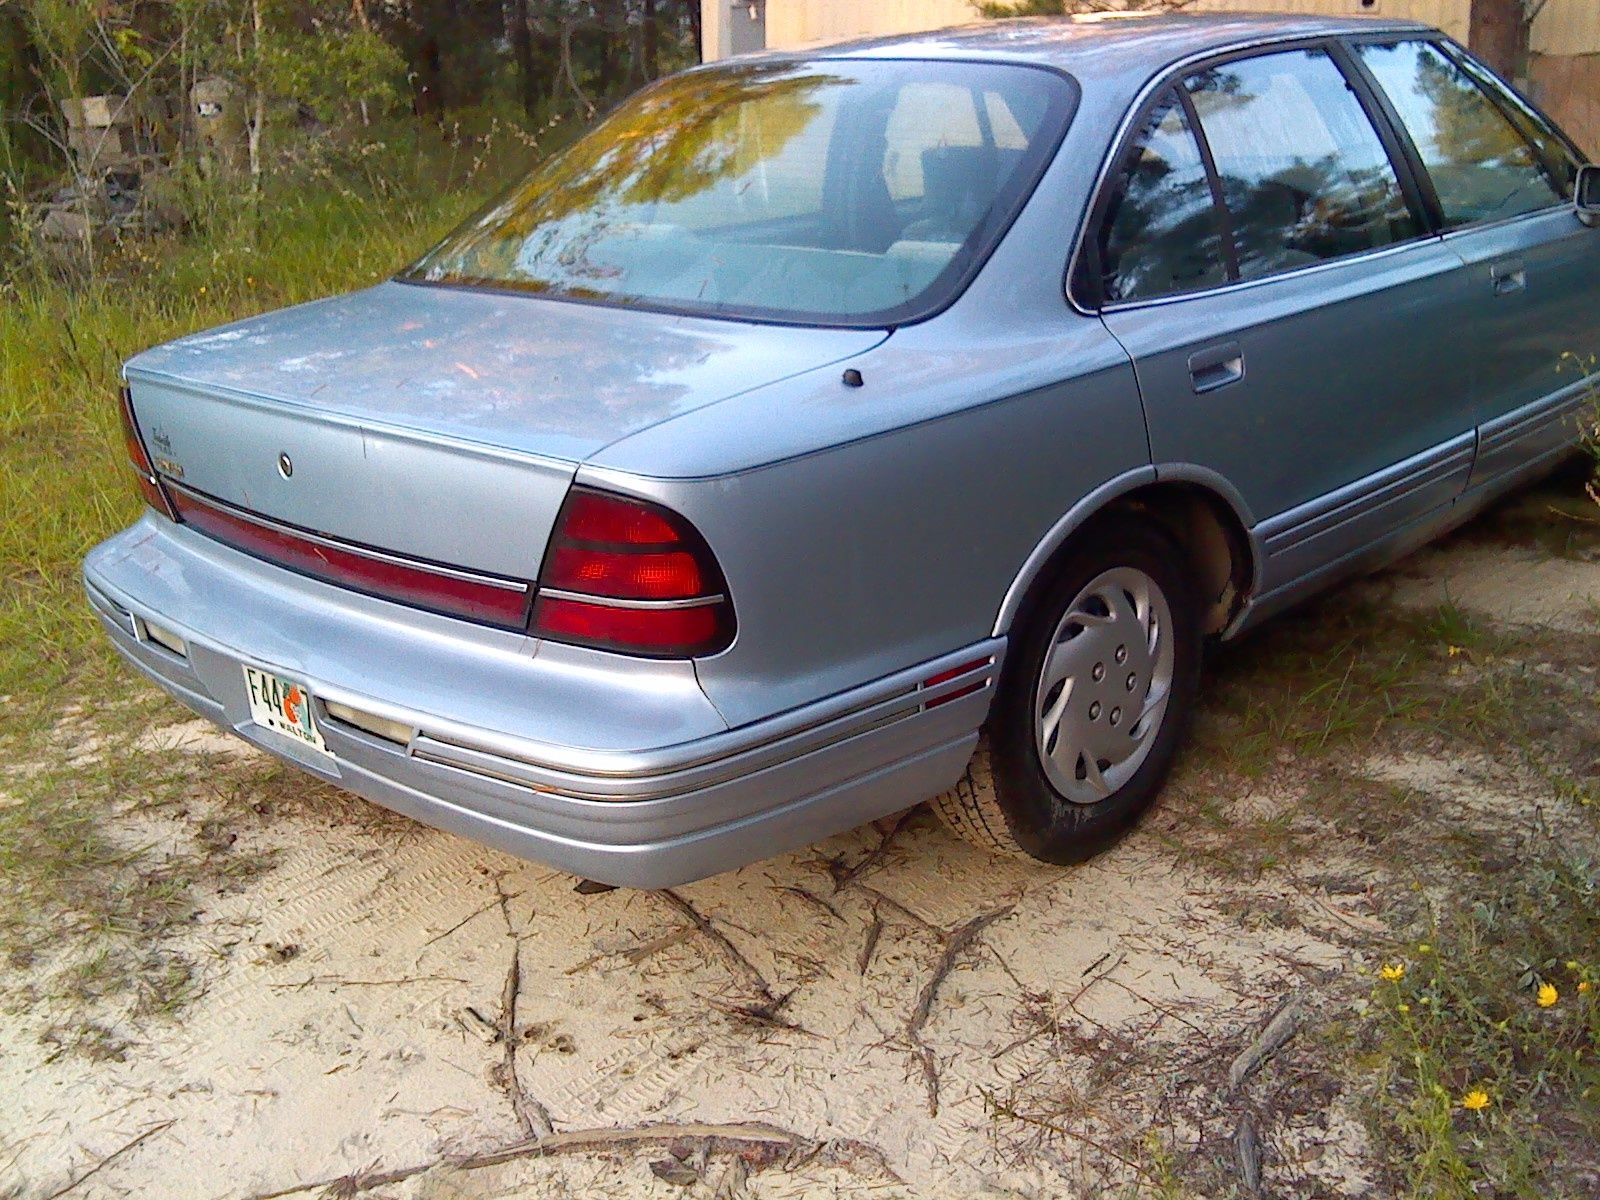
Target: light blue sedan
826,433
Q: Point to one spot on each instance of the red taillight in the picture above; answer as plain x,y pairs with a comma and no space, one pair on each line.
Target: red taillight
657,630
491,600
629,576
149,487
592,517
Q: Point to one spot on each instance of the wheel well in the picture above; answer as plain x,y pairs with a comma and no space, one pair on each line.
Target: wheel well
1205,525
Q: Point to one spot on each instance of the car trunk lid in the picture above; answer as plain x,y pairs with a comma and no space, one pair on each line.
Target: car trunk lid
438,423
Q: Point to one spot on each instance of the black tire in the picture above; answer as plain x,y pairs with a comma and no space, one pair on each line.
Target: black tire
1007,802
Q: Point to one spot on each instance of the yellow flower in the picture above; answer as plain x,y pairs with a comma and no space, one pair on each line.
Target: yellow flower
1585,986
1475,1100
1547,995
1454,650
1403,1007
1393,972
202,289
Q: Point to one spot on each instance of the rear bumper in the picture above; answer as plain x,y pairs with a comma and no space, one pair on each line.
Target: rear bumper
614,770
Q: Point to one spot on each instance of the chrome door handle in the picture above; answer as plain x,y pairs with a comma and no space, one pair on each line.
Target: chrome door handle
1508,277
1216,367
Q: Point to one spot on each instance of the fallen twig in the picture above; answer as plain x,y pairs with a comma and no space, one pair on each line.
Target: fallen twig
843,879
752,1133
337,981
470,916
882,900
109,1159
532,1117
503,899
1000,1108
1247,1153
930,1074
741,965
868,947
955,943
636,954
1282,1026
761,1014
814,900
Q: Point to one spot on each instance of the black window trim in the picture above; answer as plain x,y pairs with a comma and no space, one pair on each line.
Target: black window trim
1082,285
1415,181
1208,161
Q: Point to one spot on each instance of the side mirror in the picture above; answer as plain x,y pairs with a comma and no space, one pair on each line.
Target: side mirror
1586,194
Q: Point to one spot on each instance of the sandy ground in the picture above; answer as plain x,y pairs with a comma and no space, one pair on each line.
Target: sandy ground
351,1014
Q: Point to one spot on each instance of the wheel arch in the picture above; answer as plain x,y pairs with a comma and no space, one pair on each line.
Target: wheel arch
1197,506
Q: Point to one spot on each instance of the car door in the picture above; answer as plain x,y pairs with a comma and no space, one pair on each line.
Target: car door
1501,177
1292,319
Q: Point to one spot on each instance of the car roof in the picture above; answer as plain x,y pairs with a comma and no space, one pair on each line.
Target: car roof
1101,45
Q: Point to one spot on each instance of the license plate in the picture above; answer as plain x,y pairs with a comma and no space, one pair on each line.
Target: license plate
283,705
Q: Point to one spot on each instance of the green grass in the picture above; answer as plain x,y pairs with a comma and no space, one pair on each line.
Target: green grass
1464,1025
347,220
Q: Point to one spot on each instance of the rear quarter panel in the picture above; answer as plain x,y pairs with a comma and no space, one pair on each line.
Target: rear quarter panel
898,541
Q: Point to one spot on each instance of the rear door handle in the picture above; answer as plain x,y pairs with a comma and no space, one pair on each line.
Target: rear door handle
1216,367
1508,277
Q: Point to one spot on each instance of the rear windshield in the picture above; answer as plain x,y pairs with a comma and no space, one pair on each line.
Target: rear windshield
825,192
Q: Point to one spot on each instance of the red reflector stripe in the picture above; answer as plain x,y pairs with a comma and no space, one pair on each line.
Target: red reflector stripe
678,631
950,673
137,454
407,583
633,575
149,487
958,693
944,676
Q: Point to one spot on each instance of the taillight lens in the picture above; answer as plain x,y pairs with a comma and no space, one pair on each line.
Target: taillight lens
149,486
625,575
490,599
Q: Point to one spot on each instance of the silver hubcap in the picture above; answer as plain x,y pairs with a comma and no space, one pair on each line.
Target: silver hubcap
1105,684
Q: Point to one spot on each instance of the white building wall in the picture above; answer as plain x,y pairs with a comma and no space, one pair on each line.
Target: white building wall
1564,40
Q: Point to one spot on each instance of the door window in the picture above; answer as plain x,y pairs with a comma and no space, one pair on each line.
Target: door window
1304,174
1555,151
1162,234
1482,168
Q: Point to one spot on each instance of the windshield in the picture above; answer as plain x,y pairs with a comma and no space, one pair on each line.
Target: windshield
827,192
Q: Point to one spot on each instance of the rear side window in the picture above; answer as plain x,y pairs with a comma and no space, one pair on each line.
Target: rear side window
1482,168
1304,175
1162,234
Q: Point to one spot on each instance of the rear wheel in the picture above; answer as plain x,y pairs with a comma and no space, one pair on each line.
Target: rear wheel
1095,699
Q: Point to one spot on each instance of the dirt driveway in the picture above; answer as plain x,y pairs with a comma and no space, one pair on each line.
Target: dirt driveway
375,1005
